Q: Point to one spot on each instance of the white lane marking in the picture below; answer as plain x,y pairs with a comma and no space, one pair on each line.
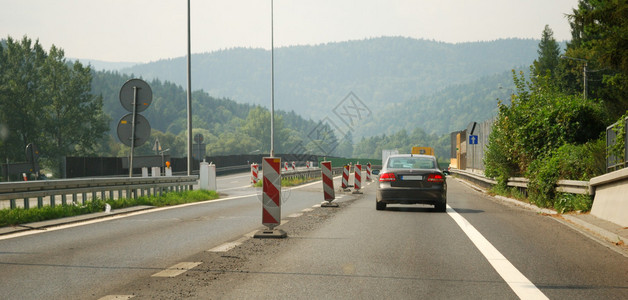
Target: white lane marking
316,205
177,269
230,245
232,177
236,188
307,209
523,287
295,215
117,297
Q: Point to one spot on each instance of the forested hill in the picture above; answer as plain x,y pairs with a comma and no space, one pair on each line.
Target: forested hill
382,72
228,127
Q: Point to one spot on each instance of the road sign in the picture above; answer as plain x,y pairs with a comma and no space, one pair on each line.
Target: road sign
473,140
142,130
144,95
198,138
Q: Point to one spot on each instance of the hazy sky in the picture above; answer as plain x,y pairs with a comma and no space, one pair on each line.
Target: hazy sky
149,30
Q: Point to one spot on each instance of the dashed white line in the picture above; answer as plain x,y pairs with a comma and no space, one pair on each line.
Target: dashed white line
117,297
523,287
228,246
177,269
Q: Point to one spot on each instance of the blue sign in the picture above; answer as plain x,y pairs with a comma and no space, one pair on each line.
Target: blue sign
473,140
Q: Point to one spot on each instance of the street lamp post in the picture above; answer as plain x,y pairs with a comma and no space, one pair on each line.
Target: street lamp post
272,83
584,73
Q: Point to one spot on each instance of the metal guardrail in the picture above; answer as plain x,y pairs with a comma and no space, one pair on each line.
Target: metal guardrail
612,161
89,188
309,173
564,186
66,191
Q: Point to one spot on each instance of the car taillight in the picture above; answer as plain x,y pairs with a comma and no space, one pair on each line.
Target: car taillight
435,178
387,177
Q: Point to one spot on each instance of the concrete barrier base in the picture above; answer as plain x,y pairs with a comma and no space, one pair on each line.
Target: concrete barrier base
270,234
611,197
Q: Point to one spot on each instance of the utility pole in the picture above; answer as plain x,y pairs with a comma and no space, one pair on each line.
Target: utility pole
584,73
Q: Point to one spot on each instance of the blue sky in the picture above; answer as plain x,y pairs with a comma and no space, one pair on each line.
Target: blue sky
149,30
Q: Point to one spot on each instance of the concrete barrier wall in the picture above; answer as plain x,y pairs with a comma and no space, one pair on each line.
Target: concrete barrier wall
611,197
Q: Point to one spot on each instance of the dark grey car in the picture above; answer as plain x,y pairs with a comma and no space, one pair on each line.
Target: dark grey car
411,179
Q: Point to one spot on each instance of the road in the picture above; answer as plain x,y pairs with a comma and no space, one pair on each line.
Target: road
479,249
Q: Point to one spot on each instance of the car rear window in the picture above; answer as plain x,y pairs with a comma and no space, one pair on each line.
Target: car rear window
411,163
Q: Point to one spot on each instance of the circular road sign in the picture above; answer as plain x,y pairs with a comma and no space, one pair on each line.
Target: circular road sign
142,130
144,95
198,138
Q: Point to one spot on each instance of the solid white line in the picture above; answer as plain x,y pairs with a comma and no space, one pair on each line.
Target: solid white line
523,287
115,217
236,188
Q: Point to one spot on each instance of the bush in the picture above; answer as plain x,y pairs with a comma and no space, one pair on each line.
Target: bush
572,162
566,202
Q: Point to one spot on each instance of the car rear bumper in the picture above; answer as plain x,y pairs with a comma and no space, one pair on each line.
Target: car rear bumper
411,196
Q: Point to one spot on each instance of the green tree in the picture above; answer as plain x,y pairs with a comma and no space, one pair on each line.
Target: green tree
549,51
47,102
74,122
22,100
599,32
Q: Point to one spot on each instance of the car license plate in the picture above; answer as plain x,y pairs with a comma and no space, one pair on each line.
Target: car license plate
411,177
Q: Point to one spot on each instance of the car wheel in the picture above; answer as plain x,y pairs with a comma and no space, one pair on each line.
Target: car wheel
380,205
441,207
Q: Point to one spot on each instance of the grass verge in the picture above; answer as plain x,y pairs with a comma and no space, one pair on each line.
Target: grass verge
10,217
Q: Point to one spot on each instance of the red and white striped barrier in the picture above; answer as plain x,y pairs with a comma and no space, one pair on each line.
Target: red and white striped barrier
345,177
368,172
328,185
357,180
294,166
254,173
271,198
285,165
307,164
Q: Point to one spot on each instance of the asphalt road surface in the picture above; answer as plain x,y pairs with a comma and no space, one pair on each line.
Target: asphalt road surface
479,249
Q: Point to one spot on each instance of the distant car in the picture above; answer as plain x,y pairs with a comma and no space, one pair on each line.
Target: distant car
411,179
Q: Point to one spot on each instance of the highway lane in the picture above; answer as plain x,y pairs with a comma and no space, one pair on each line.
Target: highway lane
410,252
82,260
405,252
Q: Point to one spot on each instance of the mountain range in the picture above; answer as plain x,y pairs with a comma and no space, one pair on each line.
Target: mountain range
390,82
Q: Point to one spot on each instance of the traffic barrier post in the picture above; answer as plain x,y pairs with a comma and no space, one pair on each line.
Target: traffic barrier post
345,178
271,198
328,185
357,179
254,173
368,172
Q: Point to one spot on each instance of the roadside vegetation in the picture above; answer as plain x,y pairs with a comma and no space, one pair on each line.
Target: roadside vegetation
552,128
12,217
